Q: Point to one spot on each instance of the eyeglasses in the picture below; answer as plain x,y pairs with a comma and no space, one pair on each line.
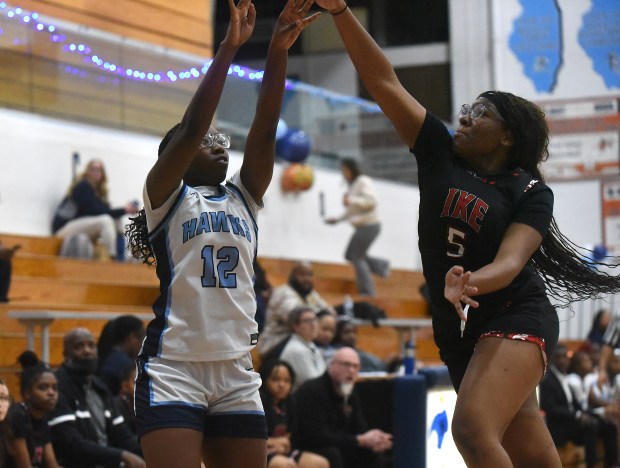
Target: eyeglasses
349,365
211,139
477,110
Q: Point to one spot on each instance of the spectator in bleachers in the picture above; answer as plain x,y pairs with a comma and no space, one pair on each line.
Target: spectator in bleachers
87,430
5,403
298,291
329,418
30,441
567,420
86,210
325,335
278,378
600,322
346,335
300,351
360,202
611,341
118,346
605,397
124,399
581,377
595,351
6,268
262,290
5,400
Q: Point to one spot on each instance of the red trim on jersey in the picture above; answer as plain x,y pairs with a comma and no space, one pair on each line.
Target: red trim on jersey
520,337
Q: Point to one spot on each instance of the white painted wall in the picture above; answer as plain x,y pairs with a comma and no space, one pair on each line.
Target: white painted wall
36,154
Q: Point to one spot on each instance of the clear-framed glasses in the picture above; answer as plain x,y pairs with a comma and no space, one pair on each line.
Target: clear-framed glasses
211,139
477,110
349,365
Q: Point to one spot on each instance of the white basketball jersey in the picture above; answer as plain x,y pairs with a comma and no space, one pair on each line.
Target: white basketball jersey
204,239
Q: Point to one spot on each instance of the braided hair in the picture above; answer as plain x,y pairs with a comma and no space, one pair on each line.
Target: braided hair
136,231
568,275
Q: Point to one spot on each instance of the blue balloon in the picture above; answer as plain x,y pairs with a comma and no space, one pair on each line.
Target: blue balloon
599,253
281,130
294,146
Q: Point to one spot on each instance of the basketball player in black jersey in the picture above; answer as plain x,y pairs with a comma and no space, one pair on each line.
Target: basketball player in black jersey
489,244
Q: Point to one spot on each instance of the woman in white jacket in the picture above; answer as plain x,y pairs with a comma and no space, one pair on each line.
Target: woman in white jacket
360,203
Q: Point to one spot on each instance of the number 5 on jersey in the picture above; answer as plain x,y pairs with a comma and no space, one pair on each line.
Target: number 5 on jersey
455,242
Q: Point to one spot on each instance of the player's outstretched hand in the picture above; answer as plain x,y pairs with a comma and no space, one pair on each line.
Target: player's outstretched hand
458,291
291,22
242,21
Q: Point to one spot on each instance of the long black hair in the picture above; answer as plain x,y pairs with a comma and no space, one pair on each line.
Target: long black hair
569,275
115,332
136,231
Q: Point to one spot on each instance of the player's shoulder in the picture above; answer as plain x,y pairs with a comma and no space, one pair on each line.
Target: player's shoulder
523,182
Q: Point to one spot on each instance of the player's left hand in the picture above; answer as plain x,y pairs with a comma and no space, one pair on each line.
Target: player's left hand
292,21
458,291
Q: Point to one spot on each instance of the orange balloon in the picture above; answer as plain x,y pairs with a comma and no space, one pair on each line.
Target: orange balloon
297,177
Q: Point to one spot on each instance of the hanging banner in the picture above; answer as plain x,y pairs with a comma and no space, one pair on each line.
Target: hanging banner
579,155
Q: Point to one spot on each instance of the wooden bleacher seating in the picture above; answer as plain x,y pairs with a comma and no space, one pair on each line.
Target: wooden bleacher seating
43,281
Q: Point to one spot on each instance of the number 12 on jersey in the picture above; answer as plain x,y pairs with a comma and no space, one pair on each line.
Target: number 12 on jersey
217,270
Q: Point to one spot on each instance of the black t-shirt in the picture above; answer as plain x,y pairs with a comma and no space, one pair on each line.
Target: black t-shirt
463,218
279,418
35,431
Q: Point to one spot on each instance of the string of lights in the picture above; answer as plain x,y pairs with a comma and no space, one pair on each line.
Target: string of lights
98,59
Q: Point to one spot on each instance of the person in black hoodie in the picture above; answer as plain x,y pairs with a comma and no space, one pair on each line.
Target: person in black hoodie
87,430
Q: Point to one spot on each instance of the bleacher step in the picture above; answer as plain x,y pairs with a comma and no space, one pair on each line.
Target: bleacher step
50,266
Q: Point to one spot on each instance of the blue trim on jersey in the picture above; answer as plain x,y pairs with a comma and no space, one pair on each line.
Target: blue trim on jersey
152,401
237,190
175,205
161,307
220,196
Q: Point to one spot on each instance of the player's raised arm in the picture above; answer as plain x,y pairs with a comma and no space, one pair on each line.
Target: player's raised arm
377,73
257,168
178,154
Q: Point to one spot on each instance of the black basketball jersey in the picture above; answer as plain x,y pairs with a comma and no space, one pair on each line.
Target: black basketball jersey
463,217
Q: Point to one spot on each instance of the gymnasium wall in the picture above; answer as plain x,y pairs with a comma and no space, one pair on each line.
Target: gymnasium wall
185,26
36,160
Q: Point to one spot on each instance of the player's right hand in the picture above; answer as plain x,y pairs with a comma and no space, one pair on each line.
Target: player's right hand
242,21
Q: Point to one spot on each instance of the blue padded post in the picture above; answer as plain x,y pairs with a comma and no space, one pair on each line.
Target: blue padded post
409,422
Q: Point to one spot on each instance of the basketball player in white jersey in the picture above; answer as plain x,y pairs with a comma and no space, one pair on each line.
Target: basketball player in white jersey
196,390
